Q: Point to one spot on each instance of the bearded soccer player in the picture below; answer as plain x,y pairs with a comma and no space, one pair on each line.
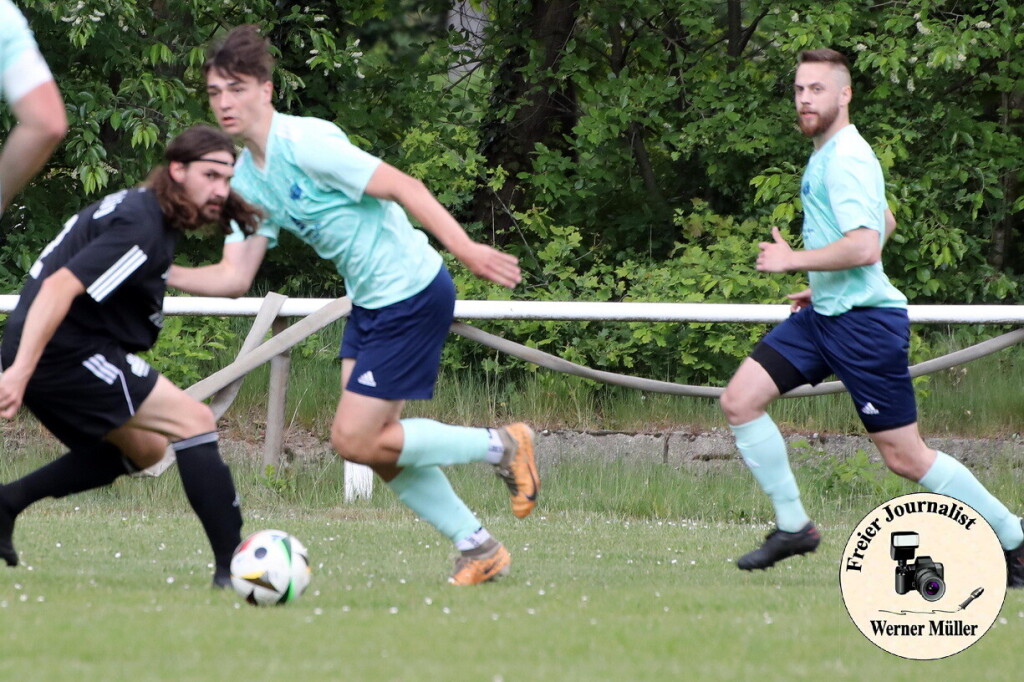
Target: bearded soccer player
348,205
93,299
27,85
851,322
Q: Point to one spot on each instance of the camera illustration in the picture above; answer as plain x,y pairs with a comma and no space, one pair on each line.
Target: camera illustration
923,575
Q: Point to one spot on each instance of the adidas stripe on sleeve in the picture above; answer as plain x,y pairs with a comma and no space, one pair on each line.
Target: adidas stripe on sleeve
117,273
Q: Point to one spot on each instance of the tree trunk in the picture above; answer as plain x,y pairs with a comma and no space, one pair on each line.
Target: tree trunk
1003,249
544,108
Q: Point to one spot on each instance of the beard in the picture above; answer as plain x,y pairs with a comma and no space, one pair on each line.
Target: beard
820,124
211,212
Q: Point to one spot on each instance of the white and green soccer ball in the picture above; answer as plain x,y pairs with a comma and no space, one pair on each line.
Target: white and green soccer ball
270,567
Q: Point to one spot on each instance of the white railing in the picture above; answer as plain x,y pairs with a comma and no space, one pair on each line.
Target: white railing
559,310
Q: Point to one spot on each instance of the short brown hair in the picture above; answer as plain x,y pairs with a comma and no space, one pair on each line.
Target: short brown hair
825,55
181,213
241,52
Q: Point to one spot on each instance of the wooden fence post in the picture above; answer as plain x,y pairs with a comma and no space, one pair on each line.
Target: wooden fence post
273,441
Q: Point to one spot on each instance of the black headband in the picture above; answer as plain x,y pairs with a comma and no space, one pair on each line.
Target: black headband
208,160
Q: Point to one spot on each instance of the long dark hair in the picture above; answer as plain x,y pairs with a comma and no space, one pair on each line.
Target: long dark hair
180,212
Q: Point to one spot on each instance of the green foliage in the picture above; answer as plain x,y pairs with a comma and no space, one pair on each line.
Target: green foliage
642,158
712,261
281,481
856,475
186,347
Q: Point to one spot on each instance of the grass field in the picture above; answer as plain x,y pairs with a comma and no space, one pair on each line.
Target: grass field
623,573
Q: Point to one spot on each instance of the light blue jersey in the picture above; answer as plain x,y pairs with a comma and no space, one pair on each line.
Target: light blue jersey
312,185
22,68
842,190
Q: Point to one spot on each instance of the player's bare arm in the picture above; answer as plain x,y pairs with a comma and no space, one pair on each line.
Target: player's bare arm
855,249
486,262
48,310
232,276
41,126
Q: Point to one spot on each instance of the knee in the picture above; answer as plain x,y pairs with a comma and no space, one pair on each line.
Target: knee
736,408
351,444
199,419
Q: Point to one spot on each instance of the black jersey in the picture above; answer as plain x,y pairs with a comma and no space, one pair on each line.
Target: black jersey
120,248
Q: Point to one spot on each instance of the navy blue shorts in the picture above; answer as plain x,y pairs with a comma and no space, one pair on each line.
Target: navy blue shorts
866,348
397,348
83,394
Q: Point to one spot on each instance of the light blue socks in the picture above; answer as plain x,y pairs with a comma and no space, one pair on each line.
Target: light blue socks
949,477
429,443
428,493
764,451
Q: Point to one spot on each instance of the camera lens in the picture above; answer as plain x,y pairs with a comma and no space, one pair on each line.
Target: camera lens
930,585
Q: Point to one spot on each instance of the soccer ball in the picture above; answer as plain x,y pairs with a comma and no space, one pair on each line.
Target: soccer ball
270,567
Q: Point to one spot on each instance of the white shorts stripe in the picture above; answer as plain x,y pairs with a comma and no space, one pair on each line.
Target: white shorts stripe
109,373
98,365
117,273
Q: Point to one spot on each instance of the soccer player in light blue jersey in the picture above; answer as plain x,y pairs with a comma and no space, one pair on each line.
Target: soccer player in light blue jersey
27,85
351,208
851,322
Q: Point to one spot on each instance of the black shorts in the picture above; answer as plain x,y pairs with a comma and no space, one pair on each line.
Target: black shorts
81,395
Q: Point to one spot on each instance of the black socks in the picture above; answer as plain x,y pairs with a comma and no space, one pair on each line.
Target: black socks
210,490
74,472
205,477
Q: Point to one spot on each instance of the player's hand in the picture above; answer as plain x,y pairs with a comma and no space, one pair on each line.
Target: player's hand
488,263
775,255
799,300
12,392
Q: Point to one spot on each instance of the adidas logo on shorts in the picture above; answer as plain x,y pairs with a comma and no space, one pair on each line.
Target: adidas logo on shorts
140,367
869,409
366,379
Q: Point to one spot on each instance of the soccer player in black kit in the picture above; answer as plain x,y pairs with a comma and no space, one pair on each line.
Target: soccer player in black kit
93,298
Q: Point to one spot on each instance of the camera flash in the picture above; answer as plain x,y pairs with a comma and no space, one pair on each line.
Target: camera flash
905,539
